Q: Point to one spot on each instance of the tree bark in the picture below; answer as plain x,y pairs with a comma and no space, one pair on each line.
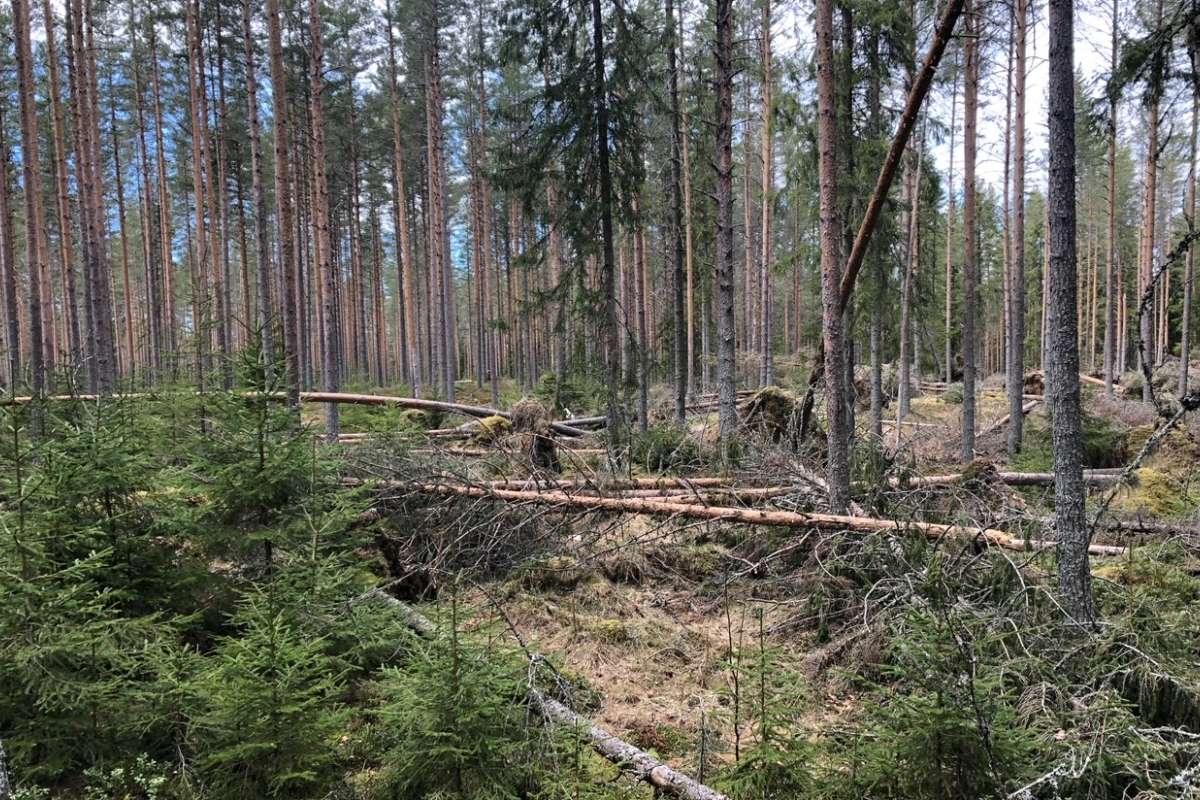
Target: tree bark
838,464
1146,256
330,361
970,277
32,191
1185,323
1016,279
726,355
683,348
284,207
768,191
66,238
1062,389
8,267
266,319
949,343
164,205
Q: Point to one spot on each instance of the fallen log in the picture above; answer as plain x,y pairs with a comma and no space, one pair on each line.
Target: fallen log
481,451
1000,423
1093,477
629,759
629,483
418,403
1137,525
779,519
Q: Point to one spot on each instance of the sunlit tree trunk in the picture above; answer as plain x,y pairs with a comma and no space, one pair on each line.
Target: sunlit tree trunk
838,465
726,357
1016,278
32,192
285,215
1062,384
970,110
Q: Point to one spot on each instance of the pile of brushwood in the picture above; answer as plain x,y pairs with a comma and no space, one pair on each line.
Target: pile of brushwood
191,610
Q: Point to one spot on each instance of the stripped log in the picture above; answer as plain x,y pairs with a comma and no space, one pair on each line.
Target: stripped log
1138,525
480,452
1093,477
417,403
629,759
779,519
1000,423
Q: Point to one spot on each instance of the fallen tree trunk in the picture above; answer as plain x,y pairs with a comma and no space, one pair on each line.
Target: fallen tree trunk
1000,423
629,759
1137,525
479,412
420,404
482,451
1093,477
779,519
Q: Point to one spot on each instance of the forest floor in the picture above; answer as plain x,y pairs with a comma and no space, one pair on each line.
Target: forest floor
663,623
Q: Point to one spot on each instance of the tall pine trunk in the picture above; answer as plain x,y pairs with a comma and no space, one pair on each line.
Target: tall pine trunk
1016,278
831,244
284,207
726,359
32,192
1062,384
970,275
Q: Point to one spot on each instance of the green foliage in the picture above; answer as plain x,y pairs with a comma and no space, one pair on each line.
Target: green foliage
1104,445
453,728
779,762
665,448
946,725
268,720
259,462
578,392
953,394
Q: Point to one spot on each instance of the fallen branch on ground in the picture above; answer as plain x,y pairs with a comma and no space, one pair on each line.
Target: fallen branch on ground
1000,423
1094,477
778,519
629,759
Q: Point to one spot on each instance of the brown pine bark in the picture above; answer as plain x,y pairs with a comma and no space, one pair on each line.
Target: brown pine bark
32,194
330,361
166,258
284,203
202,298
8,266
950,211
153,315
262,245
126,284
838,463
66,244
407,315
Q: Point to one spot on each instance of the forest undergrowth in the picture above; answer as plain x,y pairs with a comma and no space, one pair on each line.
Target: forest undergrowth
189,613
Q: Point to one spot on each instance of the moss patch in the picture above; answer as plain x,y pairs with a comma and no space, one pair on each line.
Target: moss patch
1158,493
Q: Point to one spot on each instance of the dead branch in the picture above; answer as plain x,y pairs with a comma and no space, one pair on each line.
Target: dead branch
1094,477
780,519
629,759
1000,423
